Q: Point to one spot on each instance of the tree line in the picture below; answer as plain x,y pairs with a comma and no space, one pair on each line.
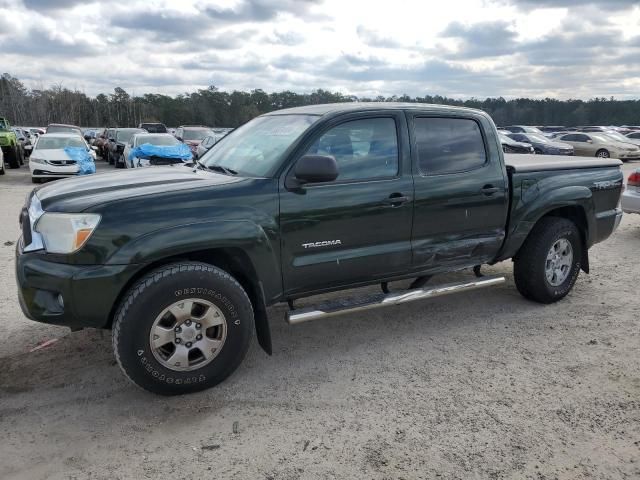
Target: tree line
212,107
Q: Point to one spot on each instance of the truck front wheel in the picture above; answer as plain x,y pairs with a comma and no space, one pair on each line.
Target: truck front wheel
182,328
548,263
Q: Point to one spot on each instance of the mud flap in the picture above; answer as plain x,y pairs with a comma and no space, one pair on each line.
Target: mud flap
263,332
584,261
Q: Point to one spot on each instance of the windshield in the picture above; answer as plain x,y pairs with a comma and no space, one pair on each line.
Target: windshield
162,140
3,124
537,138
63,129
602,138
125,134
52,143
196,133
504,139
618,136
256,148
532,130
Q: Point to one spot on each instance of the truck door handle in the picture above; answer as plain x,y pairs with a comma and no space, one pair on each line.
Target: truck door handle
489,189
396,199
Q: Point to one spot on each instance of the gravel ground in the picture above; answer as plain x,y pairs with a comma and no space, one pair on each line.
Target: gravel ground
480,385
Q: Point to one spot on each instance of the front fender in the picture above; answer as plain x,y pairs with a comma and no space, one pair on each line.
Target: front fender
208,235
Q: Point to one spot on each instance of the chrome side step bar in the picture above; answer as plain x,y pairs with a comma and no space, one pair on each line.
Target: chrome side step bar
359,304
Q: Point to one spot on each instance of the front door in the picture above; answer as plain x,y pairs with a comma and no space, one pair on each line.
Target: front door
358,227
461,194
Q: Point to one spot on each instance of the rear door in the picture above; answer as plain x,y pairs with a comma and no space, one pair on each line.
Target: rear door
358,227
461,192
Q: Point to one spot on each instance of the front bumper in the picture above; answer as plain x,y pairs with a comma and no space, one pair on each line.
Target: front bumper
75,296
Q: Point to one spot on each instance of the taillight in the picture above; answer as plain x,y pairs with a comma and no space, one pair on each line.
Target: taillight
634,180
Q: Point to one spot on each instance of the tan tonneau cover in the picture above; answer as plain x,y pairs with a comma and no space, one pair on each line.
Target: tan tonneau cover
531,163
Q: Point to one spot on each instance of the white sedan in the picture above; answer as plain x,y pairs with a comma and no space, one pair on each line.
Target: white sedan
49,160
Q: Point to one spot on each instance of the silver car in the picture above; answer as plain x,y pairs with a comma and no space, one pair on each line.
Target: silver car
631,194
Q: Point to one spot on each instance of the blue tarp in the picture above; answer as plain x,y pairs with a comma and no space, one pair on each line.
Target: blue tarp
84,159
147,150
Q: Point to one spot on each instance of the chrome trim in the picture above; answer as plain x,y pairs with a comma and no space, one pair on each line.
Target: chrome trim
295,317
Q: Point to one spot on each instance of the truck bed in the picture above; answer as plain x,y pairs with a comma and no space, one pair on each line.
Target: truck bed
533,163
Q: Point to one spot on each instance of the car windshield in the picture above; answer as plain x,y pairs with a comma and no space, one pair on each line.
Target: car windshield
125,134
535,137
196,133
504,139
532,130
161,140
63,129
3,125
617,136
602,138
256,148
53,143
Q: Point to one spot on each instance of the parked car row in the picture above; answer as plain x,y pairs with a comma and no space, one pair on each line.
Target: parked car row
593,141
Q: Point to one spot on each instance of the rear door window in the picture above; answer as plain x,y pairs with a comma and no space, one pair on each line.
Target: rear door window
448,145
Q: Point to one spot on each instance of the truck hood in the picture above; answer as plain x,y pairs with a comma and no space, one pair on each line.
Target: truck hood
83,192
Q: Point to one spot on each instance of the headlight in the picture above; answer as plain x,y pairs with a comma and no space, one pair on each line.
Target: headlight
66,232
36,160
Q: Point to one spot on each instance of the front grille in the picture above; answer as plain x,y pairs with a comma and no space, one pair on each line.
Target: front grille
62,162
25,224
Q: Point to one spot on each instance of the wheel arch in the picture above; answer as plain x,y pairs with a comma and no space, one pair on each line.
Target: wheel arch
237,263
576,214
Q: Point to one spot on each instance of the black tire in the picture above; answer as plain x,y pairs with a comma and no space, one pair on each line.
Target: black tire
531,260
109,157
2,169
120,162
11,157
603,153
21,155
152,295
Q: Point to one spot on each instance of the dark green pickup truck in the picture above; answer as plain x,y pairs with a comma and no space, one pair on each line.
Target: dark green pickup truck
182,262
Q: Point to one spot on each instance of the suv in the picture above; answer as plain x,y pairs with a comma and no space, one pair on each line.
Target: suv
11,148
154,127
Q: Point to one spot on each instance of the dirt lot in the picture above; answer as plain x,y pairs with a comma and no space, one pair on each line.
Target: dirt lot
482,385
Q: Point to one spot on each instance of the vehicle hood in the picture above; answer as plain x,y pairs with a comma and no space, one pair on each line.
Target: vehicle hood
81,193
622,145
51,154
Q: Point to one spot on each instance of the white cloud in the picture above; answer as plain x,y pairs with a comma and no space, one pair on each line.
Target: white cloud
461,48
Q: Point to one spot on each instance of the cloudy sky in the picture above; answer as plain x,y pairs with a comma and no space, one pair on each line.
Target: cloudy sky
461,48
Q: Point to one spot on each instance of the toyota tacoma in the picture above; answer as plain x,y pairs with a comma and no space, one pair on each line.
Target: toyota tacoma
182,262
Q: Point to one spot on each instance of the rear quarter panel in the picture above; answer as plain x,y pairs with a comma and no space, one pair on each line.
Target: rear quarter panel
596,191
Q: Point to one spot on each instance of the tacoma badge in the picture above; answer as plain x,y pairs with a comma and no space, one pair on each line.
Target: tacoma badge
325,243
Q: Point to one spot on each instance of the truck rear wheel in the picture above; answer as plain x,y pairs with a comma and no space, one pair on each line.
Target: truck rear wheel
548,263
182,328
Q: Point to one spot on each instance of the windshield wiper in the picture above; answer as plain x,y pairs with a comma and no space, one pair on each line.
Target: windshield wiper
218,168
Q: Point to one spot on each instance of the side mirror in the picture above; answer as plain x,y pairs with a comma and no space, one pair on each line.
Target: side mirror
179,139
316,169
112,139
589,141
